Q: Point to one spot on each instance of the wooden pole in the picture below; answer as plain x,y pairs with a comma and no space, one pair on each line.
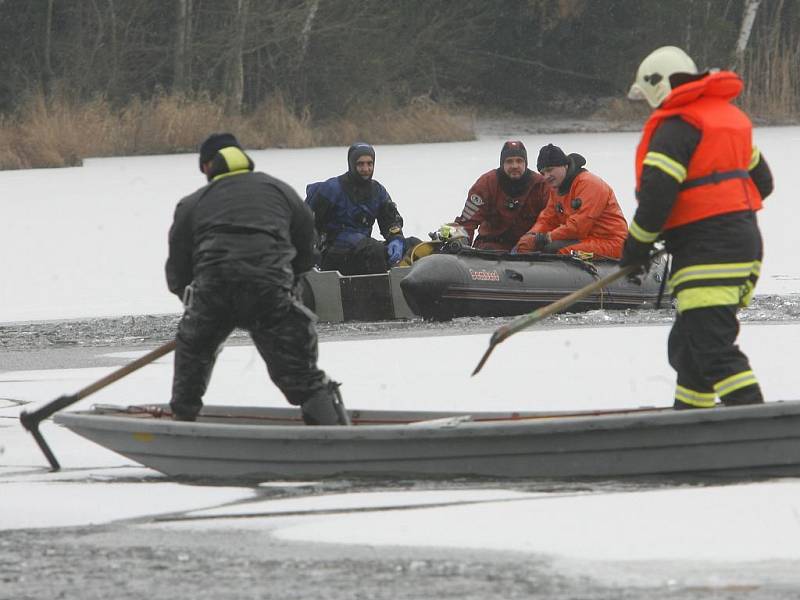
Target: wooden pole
520,323
31,421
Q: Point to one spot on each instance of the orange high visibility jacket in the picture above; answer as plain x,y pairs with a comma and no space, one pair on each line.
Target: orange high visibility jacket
716,181
588,212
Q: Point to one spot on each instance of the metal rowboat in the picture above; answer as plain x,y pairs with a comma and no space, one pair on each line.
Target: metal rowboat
248,443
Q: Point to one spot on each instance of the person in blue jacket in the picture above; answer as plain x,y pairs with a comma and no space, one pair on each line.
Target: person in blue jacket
345,209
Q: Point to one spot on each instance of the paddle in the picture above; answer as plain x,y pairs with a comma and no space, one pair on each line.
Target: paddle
30,421
505,331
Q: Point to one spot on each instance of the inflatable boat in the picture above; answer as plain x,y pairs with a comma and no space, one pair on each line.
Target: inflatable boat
459,281
485,283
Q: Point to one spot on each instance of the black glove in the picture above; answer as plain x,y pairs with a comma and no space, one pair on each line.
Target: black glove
636,253
542,240
531,242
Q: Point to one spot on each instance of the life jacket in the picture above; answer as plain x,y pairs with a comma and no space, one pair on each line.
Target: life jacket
717,177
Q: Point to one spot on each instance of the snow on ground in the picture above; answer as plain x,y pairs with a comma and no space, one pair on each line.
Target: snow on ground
91,241
571,525
564,369
565,525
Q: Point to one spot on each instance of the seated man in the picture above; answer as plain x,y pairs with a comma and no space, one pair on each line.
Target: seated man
582,214
345,209
504,203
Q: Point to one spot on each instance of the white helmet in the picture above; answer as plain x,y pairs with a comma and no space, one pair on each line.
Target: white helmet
652,78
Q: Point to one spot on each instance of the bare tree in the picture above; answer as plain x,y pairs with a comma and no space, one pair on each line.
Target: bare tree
116,50
183,42
748,18
47,67
305,34
234,74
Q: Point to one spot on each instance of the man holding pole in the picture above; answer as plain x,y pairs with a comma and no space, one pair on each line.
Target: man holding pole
699,182
236,248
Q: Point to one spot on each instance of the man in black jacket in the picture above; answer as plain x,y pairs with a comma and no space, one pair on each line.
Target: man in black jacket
236,248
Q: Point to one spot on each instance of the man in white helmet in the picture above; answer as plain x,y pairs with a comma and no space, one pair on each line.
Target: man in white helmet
699,182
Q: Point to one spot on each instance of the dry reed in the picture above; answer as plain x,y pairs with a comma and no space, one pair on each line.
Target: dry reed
621,111
772,82
59,131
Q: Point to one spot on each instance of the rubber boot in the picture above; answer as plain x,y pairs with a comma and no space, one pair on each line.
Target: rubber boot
678,405
746,395
325,407
338,404
182,416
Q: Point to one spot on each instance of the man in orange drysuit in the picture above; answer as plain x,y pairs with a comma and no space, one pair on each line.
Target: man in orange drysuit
582,213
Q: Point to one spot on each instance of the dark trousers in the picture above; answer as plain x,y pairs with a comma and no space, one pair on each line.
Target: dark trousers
282,330
715,269
368,256
702,349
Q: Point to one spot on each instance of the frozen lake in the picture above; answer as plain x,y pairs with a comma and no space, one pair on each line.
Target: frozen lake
91,241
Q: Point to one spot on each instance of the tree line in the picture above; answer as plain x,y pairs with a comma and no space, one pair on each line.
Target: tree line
330,57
